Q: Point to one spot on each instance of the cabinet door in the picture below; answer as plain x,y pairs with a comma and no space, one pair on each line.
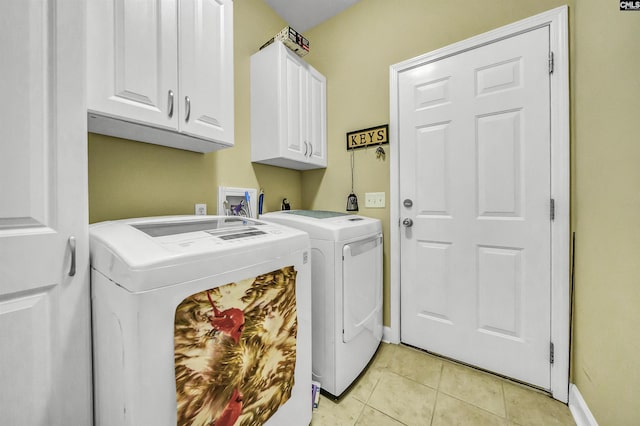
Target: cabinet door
295,108
132,60
206,69
45,340
317,124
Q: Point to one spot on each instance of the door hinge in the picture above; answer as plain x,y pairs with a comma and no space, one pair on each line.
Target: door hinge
552,209
550,62
551,353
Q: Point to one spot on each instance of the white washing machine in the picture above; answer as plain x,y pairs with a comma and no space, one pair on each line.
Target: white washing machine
346,276
200,320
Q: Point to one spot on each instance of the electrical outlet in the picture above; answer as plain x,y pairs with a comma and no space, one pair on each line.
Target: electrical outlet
201,209
374,200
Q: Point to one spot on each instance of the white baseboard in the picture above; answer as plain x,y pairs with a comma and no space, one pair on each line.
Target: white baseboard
579,409
388,336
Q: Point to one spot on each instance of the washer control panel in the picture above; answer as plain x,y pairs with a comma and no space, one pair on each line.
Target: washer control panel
193,234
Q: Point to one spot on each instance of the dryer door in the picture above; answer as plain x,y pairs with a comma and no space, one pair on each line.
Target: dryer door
362,287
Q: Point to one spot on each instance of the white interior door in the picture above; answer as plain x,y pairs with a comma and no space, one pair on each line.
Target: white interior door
474,132
45,346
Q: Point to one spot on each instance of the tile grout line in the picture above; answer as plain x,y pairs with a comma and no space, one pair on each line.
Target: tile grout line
374,388
387,415
504,400
433,412
412,380
435,403
364,405
457,398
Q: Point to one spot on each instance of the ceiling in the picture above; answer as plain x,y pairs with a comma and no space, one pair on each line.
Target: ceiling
303,15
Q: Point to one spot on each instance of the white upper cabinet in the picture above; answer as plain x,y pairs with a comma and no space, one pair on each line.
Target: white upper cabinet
288,110
162,71
317,127
205,69
132,60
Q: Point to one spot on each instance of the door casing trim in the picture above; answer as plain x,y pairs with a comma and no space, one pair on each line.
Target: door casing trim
557,21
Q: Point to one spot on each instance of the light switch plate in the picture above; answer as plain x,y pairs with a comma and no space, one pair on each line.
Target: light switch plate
374,200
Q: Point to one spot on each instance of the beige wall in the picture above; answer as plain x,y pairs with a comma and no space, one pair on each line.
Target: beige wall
131,179
606,346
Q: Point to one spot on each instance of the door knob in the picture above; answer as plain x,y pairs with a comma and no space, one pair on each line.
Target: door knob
407,222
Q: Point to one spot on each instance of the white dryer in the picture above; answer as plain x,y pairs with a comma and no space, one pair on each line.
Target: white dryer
200,320
346,276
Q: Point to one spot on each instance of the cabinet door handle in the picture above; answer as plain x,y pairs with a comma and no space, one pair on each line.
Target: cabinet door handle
187,107
306,148
170,104
310,149
72,249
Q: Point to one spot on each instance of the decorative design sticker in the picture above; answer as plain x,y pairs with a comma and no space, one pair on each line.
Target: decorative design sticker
235,351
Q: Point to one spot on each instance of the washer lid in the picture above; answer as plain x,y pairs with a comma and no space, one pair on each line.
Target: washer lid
148,253
326,225
224,227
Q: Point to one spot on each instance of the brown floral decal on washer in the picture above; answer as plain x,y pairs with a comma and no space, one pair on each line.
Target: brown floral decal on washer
235,351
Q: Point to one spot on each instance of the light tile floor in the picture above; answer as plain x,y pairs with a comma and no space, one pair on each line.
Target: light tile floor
405,386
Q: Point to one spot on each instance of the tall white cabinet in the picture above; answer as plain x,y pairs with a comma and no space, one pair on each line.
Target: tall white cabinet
162,71
288,110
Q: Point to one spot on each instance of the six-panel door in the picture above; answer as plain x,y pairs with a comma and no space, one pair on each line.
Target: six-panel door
475,161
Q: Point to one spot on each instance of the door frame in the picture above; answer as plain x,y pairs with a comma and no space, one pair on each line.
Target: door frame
557,21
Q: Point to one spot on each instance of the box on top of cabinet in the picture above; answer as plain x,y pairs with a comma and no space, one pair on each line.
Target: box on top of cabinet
292,39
